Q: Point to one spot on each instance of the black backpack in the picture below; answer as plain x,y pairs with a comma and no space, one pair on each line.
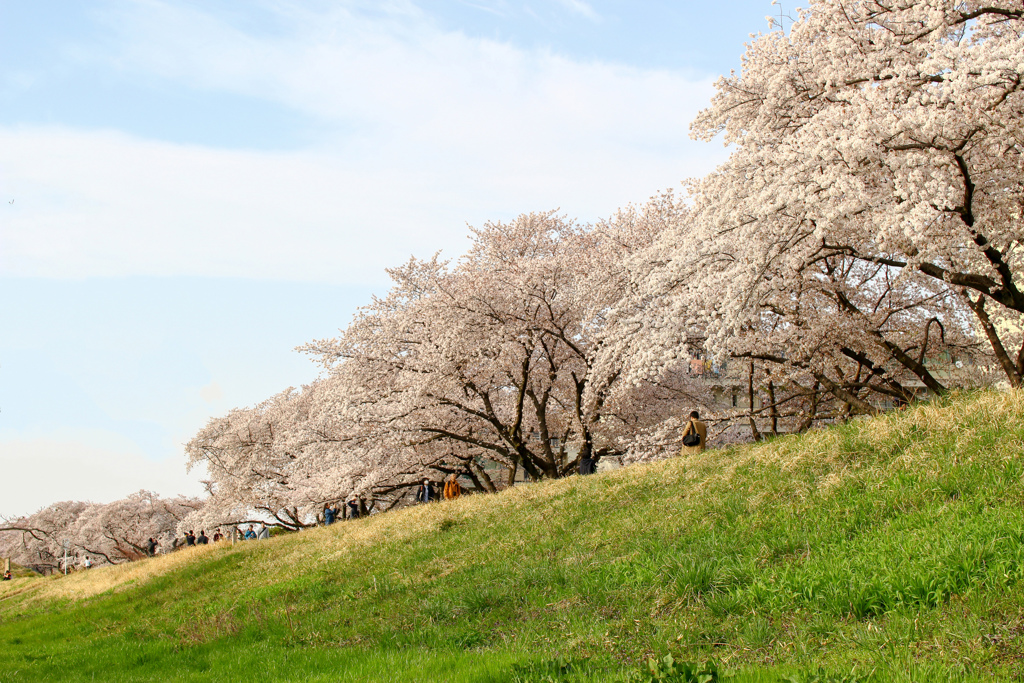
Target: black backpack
693,438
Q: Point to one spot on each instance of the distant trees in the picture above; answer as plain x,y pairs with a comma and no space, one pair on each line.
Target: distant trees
111,533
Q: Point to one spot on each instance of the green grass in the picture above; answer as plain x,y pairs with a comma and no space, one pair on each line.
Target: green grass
883,550
19,572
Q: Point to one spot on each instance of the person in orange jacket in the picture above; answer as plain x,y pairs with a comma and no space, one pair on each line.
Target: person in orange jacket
452,489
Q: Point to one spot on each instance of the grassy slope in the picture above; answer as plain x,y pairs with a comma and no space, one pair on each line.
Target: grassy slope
890,547
18,572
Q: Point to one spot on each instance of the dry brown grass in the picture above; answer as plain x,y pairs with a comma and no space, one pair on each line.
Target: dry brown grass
703,474
87,583
276,555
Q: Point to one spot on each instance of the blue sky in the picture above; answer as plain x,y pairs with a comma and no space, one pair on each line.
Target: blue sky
192,189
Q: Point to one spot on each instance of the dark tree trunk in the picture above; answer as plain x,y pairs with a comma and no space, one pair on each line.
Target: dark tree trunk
1010,368
480,477
754,433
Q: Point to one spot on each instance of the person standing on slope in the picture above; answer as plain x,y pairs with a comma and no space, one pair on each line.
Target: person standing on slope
452,489
695,436
425,493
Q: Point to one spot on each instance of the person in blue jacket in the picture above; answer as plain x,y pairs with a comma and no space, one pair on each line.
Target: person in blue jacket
425,493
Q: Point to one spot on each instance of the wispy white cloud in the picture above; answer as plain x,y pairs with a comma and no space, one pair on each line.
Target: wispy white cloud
103,203
496,7
580,7
422,130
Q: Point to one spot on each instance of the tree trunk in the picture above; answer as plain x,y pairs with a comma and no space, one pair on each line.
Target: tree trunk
808,420
846,397
480,477
750,397
876,371
1009,367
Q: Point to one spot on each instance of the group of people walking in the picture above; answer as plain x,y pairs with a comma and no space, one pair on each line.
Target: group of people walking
427,492
202,539
695,436
353,509
451,490
190,539
250,534
695,439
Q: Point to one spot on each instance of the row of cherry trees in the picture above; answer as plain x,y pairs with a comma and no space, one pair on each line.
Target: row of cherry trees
108,533
479,367
861,245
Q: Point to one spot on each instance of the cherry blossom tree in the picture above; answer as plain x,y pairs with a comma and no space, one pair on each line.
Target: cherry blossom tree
478,367
492,357
111,533
37,540
877,145
249,472
466,368
118,532
279,462
863,237
806,338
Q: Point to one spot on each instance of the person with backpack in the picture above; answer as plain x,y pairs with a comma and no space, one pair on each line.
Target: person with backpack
695,436
425,493
452,488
